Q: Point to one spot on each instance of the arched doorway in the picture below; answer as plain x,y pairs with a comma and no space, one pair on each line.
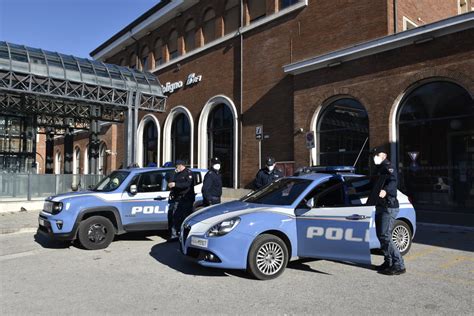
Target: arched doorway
180,138
218,136
435,124
147,150
342,128
220,129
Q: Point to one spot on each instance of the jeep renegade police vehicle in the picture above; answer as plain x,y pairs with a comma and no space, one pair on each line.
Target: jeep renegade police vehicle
126,200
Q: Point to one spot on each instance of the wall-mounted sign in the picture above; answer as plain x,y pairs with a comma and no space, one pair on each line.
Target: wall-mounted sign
310,140
259,132
171,87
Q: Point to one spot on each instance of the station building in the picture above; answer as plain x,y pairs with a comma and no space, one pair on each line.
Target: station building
357,74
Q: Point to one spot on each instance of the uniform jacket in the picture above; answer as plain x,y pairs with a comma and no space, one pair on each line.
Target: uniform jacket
265,176
390,184
184,189
212,187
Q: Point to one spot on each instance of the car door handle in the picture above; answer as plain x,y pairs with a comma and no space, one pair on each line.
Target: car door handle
356,217
159,198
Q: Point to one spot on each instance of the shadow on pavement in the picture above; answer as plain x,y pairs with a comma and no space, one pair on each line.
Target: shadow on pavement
168,253
46,242
446,237
300,265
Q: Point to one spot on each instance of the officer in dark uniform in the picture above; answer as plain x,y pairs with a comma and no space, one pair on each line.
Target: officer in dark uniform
386,212
268,174
181,200
212,184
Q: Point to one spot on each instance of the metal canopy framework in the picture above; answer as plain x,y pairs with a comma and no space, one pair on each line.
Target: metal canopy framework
60,93
64,91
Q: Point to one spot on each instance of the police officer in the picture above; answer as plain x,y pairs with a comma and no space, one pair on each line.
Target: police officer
385,213
212,184
181,200
268,174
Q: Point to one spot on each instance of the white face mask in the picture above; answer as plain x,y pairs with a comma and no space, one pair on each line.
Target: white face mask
217,166
377,160
270,168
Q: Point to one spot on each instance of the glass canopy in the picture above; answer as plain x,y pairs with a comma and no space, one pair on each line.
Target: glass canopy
43,63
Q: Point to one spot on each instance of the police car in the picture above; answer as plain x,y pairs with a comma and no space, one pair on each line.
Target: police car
126,200
314,215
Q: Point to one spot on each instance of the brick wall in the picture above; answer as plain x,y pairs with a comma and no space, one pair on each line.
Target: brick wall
378,81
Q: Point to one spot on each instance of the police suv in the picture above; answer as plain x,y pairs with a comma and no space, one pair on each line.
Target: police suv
126,200
326,214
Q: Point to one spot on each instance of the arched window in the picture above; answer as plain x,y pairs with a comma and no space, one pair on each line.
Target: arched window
58,163
231,16
133,60
257,9
181,138
220,135
189,36
144,58
158,52
342,129
173,45
122,62
436,147
102,163
209,26
76,162
150,144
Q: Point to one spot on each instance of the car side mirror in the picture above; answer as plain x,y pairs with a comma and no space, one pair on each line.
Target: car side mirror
133,189
310,203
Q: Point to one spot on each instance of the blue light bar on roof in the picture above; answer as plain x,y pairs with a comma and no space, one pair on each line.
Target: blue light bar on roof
325,169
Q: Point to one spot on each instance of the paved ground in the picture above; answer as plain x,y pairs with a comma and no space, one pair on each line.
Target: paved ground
143,274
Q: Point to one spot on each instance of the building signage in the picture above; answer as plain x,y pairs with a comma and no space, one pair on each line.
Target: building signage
259,132
310,140
171,87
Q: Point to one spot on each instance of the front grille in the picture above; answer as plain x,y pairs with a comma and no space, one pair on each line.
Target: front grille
186,230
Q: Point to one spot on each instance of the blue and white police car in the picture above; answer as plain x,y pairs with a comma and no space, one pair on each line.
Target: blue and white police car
127,200
317,215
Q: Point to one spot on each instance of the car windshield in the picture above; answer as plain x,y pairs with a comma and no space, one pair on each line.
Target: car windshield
281,192
111,182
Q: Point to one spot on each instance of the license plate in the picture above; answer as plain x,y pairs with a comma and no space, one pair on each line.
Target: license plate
41,221
200,242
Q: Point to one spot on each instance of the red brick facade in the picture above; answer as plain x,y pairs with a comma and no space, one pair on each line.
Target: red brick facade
281,102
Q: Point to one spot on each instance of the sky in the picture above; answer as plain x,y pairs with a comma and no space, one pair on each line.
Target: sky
74,27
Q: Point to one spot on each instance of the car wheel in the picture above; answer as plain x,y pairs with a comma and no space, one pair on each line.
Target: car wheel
402,236
96,232
268,257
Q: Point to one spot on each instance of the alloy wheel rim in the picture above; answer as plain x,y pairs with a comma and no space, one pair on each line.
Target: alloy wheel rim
97,233
401,238
270,258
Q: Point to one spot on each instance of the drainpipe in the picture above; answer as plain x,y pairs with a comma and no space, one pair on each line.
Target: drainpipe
241,87
395,17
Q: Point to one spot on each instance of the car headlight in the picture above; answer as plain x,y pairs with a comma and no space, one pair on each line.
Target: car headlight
57,207
223,227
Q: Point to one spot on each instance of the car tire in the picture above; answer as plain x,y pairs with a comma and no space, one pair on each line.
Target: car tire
96,232
268,257
402,236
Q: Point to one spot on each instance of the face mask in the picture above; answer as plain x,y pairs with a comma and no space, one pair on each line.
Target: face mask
377,160
217,166
270,168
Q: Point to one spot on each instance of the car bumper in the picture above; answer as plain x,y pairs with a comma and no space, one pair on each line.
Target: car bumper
227,252
54,228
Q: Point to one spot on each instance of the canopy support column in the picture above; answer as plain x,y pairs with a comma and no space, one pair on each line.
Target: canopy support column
93,147
68,150
49,168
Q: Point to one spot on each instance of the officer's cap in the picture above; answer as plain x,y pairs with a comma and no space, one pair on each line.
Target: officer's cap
180,162
379,149
215,161
270,161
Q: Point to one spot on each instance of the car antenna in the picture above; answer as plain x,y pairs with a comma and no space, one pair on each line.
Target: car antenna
360,152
